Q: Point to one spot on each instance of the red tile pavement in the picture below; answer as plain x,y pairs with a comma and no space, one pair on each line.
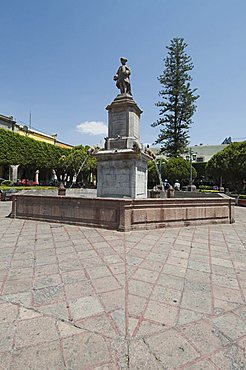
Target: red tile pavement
82,298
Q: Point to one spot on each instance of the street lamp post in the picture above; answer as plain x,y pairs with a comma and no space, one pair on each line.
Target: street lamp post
191,157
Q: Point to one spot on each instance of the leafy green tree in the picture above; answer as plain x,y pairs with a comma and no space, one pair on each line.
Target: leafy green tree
153,175
79,162
200,168
28,153
178,169
32,155
178,100
230,164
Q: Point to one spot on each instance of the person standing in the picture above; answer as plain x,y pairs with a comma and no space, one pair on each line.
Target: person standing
166,184
177,185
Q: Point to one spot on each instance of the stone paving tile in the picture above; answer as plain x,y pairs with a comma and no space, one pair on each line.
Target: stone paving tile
45,260
121,278
141,357
117,268
222,270
46,281
90,262
187,316
44,270
230,325
6,337
146,275
27,313
119,317
136,305
35,331
200,301
232,357
20,273
81,298
66,329
40,357
166,295
105,284
225,281
85,307
5,359
224,306
174,270
113,300
227,294
47,295
73,277
201,365
146,328
98,272
151,265
162,313
241,312
171,349
100,324
84,351
78,290
141,288
8,313
205,336
58,310
69,265
24,298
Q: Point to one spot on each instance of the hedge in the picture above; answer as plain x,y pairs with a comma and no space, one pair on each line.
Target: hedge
16,149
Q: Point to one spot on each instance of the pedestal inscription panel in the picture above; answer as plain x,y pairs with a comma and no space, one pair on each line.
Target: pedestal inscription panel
117,124
134,125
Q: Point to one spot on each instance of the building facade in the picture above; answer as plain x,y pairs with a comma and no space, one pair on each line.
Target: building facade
9,123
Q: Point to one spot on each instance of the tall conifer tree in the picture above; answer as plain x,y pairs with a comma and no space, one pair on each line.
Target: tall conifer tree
178,100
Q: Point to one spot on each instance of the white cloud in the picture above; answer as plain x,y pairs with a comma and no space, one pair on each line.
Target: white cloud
92,128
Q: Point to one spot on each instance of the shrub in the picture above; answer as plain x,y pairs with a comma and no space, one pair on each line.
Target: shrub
205,187
7,183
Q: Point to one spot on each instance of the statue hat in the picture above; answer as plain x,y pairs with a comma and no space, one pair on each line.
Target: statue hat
124,59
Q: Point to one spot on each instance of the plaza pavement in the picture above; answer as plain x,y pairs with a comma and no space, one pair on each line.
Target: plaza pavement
82,298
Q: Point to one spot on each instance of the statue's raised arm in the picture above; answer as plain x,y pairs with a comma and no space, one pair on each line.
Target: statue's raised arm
122,77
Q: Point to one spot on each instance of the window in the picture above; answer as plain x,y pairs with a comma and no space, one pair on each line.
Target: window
200,159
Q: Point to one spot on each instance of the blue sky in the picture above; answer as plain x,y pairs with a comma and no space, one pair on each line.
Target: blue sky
58,58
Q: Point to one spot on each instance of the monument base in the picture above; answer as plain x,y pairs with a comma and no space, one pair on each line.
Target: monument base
123,214
122,173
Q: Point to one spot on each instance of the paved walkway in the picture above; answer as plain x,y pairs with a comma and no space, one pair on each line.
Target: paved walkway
79,298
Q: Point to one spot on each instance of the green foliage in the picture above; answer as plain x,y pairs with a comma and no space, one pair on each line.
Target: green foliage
32,155
16,149
230,164
209,191
178,169
205,187
7,183
19,188
153,178
200,168
78,162
178,104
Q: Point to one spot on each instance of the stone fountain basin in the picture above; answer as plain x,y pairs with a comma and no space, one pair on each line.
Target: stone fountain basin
80,207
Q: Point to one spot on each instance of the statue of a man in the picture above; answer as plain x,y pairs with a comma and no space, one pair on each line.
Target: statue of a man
122,77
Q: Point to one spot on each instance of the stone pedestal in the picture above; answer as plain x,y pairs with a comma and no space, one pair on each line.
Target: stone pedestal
122,166
123,123
122,174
